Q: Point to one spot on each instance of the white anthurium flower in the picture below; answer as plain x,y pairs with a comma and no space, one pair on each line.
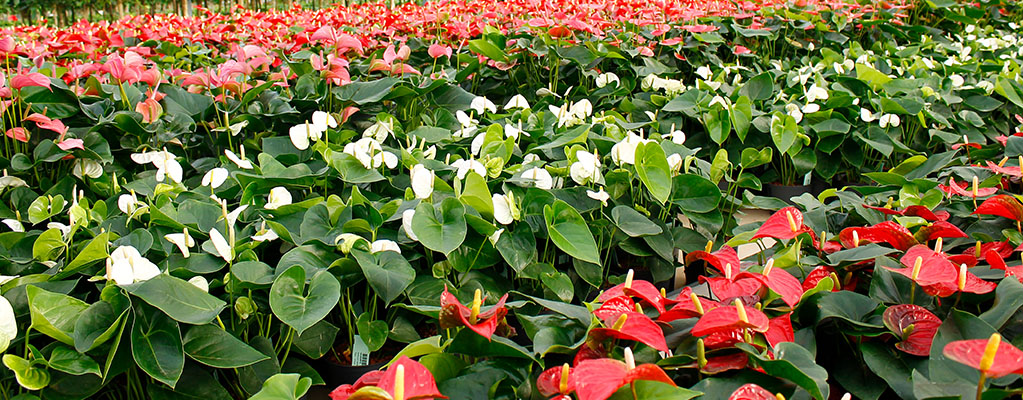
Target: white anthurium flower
676,135
130,204
463,167
241,162
224,250
384,245
380,130
494,237
704,72
347,241
675,163
957,80
422,181
322,121
264,234
582,109
867,116
514,131
531,157
468,124
183,240
370,154
7,181
302,134
540,177
232,217
149,157
891,120
517,101
607,78
406,222
169,168
719,101
599,195
200,282
811,108
586,169
477,143
503,208
815,93
14,224
8,324
624,152
481,104
126,266
86,167
215,177
793,111
279,196
64,229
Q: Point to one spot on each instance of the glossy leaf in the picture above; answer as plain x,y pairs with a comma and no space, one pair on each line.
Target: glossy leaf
300,306
568,230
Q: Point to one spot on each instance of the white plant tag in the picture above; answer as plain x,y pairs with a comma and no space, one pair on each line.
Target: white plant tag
360,353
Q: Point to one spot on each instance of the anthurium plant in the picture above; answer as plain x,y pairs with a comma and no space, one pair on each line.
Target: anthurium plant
507,199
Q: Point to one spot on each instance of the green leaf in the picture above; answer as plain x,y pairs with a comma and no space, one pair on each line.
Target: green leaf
440,229
387,272
568,230
890,366
94,251
301,308
795,363
181,300
695,193
485,47
652,168
316,341
215,347
760,87
653,390
558,283
718,124
632,222
96,325
156,345
252,274
373,332
69,361
283,387
431,134
1008,300
45,207
475,194
742,117
54,314
472,343
28,375
876,79
752,158
368,92
48,246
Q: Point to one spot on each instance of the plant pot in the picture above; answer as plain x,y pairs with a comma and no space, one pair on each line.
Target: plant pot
787,192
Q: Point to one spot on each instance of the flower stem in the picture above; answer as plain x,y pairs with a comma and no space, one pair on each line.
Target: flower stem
980,385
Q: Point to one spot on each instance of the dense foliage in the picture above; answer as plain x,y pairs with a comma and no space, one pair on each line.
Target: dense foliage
221,206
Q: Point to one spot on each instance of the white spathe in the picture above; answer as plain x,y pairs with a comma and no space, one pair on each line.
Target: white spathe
279,197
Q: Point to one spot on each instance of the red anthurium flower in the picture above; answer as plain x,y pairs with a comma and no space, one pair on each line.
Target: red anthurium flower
368,379
727,362
992,357
739,286
403,379
30,79
751,391
914,211
1002,205
971,255
723,339
997,262
688,305
780,282
818,274
599,379
729,318
454,314
914,326
939,229
725,260
644,290
926,267
611,308
555,381
780,330
784,224
634,326
889,232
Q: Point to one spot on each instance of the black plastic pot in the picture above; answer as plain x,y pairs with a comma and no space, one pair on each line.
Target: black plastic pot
335,375
787,192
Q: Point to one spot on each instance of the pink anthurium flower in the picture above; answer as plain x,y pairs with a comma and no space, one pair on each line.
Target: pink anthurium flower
454,314
21,81
437,50
19,134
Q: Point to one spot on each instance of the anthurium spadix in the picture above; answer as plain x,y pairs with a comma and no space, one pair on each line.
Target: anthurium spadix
8,325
